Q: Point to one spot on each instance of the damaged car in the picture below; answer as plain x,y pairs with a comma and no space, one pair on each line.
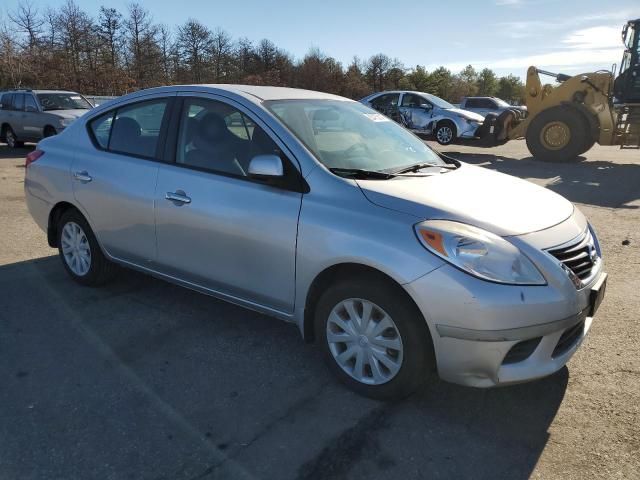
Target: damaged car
426,114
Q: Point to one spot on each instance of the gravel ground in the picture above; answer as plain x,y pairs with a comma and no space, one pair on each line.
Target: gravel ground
143,379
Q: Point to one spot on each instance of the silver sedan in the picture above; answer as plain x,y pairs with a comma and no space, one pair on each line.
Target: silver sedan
398,261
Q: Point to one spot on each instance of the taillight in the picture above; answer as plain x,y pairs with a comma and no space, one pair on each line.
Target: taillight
32,157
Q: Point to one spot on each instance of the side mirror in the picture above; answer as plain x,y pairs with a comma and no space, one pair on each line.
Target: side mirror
426,106
266,167
30,108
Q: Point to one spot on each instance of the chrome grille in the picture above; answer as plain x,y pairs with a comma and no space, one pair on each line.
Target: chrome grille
580,257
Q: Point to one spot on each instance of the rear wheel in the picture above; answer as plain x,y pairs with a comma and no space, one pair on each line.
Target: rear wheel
374,338
11,139
80,253
558,134
49,131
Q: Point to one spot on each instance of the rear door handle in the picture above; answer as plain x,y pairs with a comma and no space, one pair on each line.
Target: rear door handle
178,197
82,176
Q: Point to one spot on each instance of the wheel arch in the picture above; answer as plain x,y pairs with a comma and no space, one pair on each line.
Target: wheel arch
3,129
54,217
332,274
448,121
48,127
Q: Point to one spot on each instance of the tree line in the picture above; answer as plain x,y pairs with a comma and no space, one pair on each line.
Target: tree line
118,52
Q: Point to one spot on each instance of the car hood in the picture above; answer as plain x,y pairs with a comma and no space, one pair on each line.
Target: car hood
70,114
499,203
466,114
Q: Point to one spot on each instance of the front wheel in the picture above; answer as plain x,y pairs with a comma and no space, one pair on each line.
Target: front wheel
558,134
374,338
445,133
80,252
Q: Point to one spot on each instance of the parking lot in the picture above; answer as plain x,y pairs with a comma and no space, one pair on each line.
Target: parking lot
145,380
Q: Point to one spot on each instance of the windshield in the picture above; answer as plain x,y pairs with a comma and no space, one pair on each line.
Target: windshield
437,101
501,103
349,135
63,101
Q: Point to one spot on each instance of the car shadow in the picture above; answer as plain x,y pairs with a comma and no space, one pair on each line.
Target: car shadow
6,152
144,378
593,182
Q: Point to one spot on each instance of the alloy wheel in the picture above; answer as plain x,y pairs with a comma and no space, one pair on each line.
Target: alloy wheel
444,134
76,249
364,341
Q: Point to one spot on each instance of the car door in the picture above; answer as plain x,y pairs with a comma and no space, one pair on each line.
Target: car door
416,112
17,115
31,123
114,176
216,227
387,104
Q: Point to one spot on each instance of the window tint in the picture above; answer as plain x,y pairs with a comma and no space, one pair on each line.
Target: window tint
412,100
101,129
217,137
472,103
29,101
386,101
136,128
6,101
18,101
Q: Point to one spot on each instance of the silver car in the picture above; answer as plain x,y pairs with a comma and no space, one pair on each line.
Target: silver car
486,105
320,211
426,114
31,115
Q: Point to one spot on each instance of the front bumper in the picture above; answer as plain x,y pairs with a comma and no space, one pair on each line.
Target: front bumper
475,332
468,129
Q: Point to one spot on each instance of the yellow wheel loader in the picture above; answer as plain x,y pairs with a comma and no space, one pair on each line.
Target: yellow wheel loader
564,121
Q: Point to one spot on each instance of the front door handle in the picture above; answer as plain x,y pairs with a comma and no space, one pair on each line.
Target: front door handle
178,197
83,176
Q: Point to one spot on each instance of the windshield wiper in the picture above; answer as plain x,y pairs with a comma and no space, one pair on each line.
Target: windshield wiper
419,166
360,173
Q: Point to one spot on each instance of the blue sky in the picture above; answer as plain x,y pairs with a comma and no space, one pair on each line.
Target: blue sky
507,35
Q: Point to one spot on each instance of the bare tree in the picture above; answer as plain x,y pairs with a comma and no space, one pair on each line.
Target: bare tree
109,31
194,46
28,21
221,52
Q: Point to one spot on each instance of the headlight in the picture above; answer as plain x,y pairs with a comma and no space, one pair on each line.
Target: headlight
471,120
478,252
65,122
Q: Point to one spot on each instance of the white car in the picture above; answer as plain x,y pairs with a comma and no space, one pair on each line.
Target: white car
426,114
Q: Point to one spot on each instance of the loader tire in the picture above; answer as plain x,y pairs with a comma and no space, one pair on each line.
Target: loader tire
558,134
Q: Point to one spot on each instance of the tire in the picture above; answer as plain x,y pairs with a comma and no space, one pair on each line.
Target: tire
558,134
445,133
74,237
414,362
11,139
49,131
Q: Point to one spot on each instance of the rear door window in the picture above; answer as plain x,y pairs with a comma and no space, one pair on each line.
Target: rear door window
132,129
30,103
18,101
6,102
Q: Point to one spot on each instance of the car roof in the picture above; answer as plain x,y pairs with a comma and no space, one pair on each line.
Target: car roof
55,91
253,93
